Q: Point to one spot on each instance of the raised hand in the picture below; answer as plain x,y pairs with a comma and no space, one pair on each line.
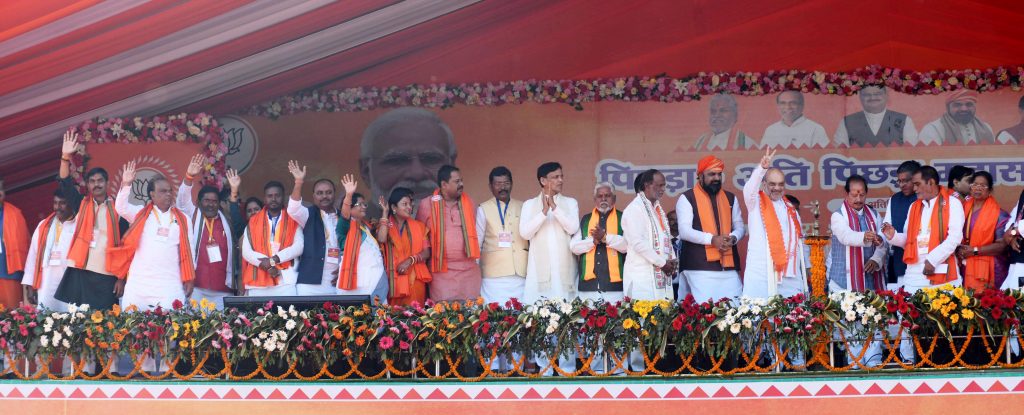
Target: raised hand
234,180
384,207
766,161
70,145
348,181
195,165
299,173
128,174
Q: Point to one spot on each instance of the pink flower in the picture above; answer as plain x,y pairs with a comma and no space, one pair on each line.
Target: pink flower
403,345
386,342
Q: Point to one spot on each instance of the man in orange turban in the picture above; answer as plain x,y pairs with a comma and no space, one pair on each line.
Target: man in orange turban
960,124
710,224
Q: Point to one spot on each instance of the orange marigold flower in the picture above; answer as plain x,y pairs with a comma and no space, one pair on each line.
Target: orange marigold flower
115,346
346,352
336,333
90,343
115,310
360,341
439,307
103,345
455,306
479,301
110,325
99,329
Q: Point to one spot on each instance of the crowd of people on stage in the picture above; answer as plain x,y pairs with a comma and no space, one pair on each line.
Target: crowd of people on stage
102,251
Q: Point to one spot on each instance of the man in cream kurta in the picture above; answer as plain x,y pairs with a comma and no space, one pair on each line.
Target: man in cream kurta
548,222
45,267
760,278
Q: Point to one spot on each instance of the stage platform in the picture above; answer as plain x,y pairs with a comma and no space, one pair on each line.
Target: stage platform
922,392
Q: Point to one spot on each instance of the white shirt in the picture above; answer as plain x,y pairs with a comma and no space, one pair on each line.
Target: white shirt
293,252
842,137
186,206
758,259
54,259
549,237
369,269
638,274
684,216
580,245
301,215
154,276
935,133
804,133
841,229
938,256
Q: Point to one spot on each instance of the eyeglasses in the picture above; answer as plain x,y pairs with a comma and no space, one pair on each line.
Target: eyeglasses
979,185
360,204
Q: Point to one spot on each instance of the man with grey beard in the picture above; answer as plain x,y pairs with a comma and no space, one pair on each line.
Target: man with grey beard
601,249
710,225
404,147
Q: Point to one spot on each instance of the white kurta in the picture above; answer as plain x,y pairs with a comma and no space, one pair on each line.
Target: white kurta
286,283
551,268
1016,271
641,227
301,215
709,285
759,271
369,270
55,261
804,133
915,279
154,276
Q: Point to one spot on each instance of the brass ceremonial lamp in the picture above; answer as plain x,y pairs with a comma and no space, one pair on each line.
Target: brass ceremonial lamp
817,243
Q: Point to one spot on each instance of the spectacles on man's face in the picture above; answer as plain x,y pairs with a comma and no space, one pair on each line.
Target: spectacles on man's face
979,185
360,205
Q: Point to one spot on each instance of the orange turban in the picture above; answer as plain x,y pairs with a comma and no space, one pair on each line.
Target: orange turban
962,95
710,163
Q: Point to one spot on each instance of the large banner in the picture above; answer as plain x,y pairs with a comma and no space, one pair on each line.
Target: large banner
821,140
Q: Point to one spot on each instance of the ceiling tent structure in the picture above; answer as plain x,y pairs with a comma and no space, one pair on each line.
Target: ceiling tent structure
63,62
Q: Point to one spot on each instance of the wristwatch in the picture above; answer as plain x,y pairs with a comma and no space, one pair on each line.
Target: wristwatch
975,251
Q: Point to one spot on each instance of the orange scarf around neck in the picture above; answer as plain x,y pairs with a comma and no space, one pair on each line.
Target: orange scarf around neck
16,238
467,214
401,247
772,226
980,271
260,241
79,251
937,223
707,214
119,259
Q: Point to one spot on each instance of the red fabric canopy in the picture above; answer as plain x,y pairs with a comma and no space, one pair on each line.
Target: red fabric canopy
65,61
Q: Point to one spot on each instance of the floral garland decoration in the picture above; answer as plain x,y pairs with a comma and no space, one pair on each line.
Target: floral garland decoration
196,128
661,88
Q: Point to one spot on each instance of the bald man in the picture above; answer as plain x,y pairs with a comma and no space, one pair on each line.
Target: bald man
775,260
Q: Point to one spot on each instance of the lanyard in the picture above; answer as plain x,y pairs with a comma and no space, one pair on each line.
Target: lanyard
273,225
501,214
58,228
209,228
159,222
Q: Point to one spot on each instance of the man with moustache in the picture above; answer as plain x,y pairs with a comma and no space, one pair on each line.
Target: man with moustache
98,229
650,258
405,147
154,262
710,225
321,255
875,124
601,249
959,182
896,214
271,245
794,130
211,235
450,216
724,135
48,254
503,251
960,124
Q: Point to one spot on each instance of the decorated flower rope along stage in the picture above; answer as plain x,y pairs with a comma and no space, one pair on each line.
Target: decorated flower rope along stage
949,328
658,88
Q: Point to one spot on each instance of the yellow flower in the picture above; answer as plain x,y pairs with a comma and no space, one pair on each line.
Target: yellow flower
183,344
958,292
629,324
954,318
97,316
644,333
968,314
195,325
192,302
